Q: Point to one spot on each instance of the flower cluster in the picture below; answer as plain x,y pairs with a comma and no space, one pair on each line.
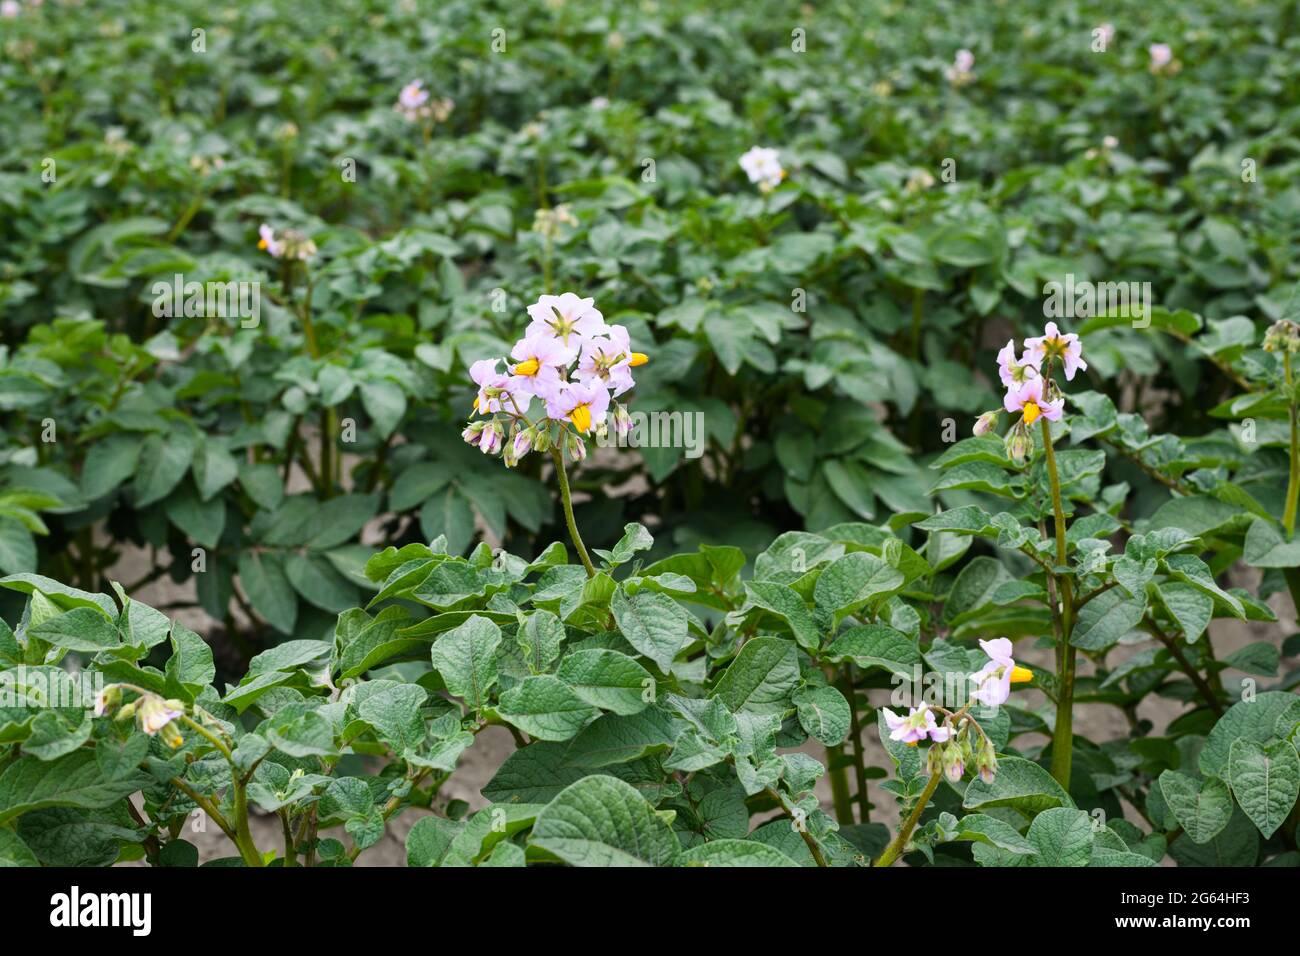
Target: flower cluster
285,244
962,70
154,715
1030,388
956,747
414,104
547,222
1162,60
1282,336
573,363
763,167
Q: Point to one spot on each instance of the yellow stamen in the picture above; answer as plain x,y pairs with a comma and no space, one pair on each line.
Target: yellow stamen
638,358
475,408
529,367
1032,411
913,743
1021,675
261,243
581,418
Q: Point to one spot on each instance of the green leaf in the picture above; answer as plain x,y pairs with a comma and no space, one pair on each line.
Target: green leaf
602,821
760,678
608,680
14,852
731,853
17,546
546,708
75,780
852,582
1254,720
541,639
823,713
1020,784
974,588
1201,807
1188,606
653,623
1265,779
1062,836
786,604
80,629
261,575
467,659
1265,546
163,463
1107,618
982,828
875,645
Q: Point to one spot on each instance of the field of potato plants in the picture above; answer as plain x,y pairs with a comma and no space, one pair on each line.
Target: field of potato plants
652,433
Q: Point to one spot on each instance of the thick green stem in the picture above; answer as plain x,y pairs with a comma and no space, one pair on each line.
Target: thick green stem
1293,486
1063,732
838,772
244,836
895,849
859,758
558,457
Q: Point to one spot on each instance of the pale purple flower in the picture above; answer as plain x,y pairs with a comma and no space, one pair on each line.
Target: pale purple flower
1052,344
523,443
565,317
10,9
155,715
268,241
916,726
1027,397
1009,370
413,95
1161,54
984,424
489,442
485,375
607,360
993,681
579,403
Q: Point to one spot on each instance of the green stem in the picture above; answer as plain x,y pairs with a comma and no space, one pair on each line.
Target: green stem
558,457
895,849
859,758
838,772
1063,732
1293,486
243,836
809,840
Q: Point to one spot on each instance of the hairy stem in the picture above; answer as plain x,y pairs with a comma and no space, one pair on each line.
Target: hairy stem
895,849
558,457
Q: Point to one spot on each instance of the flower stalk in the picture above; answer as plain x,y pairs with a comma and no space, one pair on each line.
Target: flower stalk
557,456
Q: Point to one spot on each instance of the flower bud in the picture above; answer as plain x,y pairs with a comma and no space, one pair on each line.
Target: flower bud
1018,443
953,764
576,447
622,419
108,699
985,423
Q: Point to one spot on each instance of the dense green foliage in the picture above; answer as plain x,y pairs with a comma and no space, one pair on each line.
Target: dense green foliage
386,591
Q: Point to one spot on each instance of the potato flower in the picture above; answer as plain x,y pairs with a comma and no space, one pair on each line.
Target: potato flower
1052,345
573,362
993,681
916,726
763,167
